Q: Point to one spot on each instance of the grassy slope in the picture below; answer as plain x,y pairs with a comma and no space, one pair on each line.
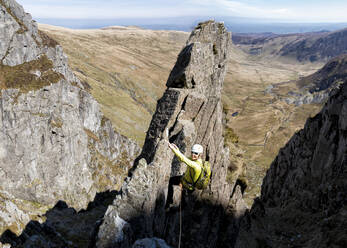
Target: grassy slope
127,69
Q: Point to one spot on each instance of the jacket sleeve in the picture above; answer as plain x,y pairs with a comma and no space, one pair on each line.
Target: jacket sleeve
186,160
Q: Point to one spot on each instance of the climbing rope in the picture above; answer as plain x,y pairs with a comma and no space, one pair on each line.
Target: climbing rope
179,239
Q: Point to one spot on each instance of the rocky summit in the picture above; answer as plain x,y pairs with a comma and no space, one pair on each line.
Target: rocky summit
55,145
304,194
191,111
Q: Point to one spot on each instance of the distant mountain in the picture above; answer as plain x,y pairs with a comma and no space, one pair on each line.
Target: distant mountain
333,73
320,46
319,86
314,46
187,23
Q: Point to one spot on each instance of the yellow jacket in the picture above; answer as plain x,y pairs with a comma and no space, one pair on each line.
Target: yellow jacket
193,170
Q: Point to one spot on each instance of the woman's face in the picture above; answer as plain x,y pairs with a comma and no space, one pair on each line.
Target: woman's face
195,156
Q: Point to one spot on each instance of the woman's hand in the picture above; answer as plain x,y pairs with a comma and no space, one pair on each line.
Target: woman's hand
173,146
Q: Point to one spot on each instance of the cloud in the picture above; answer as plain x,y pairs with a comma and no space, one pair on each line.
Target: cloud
307,11
247,10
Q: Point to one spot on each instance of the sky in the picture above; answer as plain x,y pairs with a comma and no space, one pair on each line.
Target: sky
277,10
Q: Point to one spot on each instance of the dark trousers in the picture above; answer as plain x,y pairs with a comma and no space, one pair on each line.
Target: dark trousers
176,180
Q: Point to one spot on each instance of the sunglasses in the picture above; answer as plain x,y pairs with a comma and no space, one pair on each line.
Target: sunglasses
195,153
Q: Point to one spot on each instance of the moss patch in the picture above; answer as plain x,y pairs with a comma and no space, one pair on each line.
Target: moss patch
57,122
104,119
23,76
230,135
46,40
105,171
92,135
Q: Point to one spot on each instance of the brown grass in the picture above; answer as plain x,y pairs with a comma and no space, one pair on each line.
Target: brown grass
22,76
46,40
91,135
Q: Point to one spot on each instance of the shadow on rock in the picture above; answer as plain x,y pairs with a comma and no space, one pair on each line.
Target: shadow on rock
64,227
203,224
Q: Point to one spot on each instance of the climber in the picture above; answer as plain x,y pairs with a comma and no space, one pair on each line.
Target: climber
193,172
194,169
197,175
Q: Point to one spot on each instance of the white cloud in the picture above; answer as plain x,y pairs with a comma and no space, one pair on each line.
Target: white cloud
286,11
104,12
247,10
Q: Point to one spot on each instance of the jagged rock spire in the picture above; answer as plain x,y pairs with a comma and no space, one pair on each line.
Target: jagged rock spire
191,110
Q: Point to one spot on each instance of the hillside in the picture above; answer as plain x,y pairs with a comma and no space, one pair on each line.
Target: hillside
333,73
125,68
303,202
304,47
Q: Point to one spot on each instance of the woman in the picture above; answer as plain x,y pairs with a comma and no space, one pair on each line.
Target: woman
194,166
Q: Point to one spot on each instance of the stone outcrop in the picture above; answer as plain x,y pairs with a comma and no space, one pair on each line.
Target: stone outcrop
191,111
54,142
304,194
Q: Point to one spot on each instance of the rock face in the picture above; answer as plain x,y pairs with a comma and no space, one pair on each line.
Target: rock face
304,194
333,73
191,110
54,142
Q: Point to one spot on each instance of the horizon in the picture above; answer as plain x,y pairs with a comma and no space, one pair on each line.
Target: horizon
235,25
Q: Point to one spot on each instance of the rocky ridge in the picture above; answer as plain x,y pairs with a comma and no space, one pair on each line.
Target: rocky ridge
317,87
54,142
333,73
303,199
191,111
305,47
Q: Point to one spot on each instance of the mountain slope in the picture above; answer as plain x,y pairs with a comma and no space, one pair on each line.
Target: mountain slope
303,199
333,73
305,47
125,67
